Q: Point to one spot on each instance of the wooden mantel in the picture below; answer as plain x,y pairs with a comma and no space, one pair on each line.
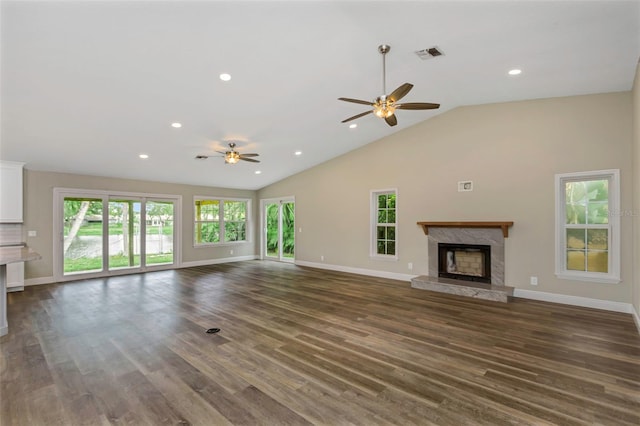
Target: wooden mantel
502,225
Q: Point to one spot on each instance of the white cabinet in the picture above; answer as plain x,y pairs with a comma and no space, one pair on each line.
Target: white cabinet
15,276
11,192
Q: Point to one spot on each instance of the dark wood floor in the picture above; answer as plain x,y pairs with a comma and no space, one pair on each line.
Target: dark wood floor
304,346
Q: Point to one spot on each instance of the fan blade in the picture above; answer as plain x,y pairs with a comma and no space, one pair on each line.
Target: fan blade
251,160
391,120
221,152
400,92
357,116
355,101
249,155
417,105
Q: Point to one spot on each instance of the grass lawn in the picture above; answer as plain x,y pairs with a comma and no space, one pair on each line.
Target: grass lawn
95,229
95,263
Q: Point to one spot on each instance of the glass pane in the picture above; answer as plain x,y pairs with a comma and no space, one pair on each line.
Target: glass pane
231,231
391,247
124,234
391,233
159,234
597,190
235,210
381,233
575,192
207,210
391,201
576,238
208,232
575,260
598,239
598,212
391,216
576,214
381,247
83,235
597,261
273,232
382,201
288,230
382,216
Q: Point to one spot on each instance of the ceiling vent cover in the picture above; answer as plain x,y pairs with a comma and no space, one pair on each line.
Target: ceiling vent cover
431,52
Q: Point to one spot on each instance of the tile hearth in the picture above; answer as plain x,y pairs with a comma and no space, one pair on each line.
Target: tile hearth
497,293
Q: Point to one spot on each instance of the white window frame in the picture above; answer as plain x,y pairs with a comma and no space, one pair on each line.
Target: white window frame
373,247
59,194
221,201
613,274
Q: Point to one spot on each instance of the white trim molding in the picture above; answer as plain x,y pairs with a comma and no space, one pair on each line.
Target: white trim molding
217,261
359,271
584,302
39,281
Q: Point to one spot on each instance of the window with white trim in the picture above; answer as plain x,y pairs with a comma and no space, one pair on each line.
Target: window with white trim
220,221
588,226
384,224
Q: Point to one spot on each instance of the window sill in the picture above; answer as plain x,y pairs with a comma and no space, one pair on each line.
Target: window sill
607,279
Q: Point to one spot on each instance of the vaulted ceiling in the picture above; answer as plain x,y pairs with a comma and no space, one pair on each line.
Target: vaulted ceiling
88,86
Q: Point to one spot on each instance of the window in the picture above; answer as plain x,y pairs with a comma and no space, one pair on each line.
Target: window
220,221
383,219
588,226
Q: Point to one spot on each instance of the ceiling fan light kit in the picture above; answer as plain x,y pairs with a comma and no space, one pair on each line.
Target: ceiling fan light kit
232,156
385,105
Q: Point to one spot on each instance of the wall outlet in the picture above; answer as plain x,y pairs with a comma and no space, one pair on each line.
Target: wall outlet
533,280
321,258
230,251
300,229
410,266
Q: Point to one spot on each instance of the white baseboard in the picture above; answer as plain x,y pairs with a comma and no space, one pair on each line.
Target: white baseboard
636,317
217,261
39,281
585,302
360,271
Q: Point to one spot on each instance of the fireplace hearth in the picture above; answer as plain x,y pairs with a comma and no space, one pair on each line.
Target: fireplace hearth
466,259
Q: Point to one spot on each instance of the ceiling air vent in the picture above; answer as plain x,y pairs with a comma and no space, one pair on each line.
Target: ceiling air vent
432,52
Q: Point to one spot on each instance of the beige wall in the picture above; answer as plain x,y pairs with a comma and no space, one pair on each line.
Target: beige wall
38,217
511,151
636,191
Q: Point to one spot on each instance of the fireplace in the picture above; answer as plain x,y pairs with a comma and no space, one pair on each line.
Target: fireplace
469,262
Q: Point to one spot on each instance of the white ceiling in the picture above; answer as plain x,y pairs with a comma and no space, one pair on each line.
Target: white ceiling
87,86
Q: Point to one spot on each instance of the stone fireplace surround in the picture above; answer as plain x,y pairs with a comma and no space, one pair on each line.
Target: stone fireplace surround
487,233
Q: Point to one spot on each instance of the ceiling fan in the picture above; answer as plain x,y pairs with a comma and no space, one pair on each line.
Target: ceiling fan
232,156
385,105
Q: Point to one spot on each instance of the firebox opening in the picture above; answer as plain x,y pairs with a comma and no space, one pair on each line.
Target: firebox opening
469,262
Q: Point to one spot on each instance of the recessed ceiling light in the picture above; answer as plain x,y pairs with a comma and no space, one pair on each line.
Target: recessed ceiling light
225,77
298,153
257,172
143,156
353,126
176,125
515,71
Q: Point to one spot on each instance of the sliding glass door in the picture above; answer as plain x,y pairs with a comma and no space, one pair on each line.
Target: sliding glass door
104,234
279,229
83,235
124,233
